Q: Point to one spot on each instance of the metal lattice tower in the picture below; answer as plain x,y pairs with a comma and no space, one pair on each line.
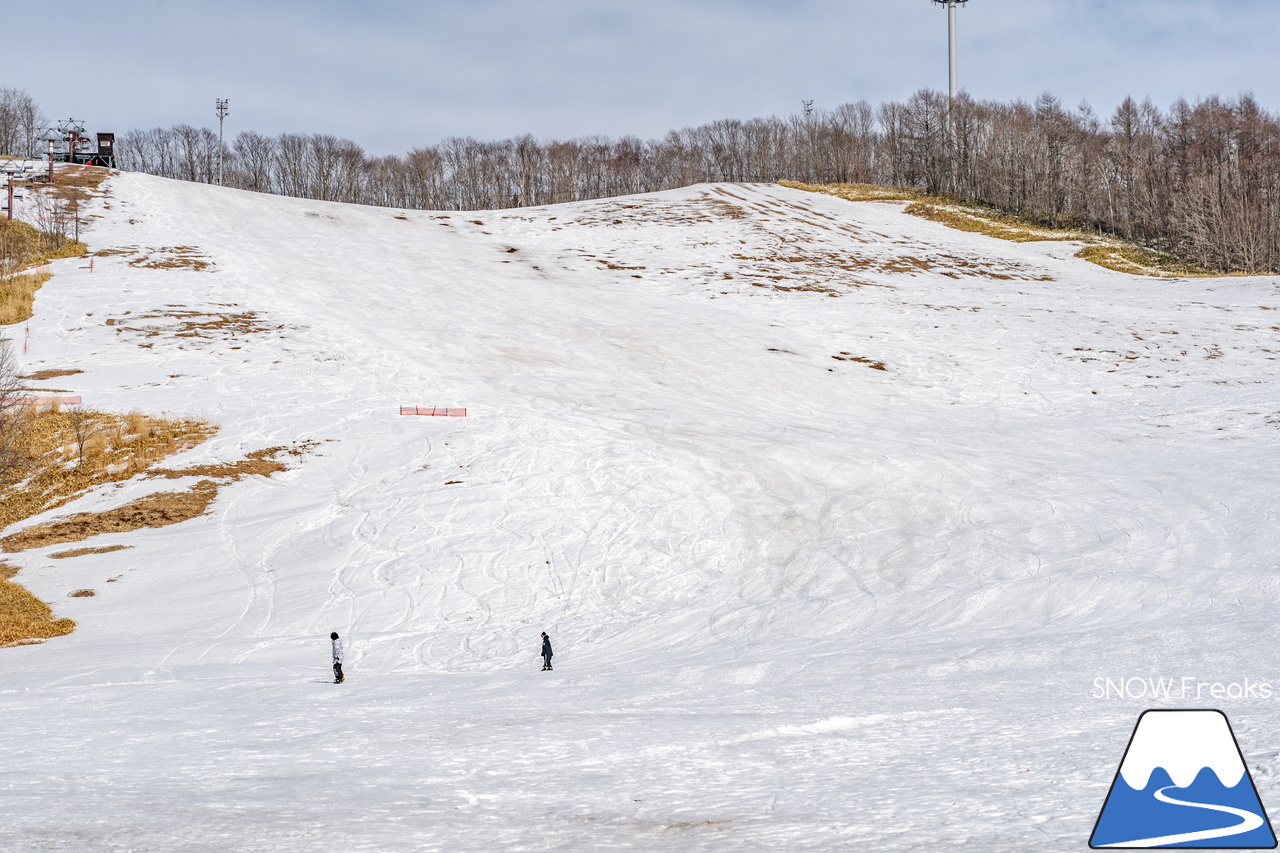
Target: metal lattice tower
951,41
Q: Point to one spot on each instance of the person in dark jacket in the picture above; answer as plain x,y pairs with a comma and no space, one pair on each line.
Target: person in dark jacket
338,677
546,652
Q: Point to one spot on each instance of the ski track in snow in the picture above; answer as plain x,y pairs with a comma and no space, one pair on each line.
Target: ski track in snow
797,603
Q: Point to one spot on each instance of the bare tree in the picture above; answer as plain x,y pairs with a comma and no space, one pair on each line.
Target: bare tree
20,124
14,460
83,428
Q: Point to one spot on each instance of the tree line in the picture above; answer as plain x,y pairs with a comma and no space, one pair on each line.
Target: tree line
22,125
1200,180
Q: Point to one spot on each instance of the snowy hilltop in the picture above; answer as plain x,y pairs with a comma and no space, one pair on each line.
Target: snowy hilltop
833,515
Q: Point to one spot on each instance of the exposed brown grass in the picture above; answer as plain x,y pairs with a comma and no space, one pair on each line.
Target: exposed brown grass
859,192
186,323
646,212
109,448
967,215
1136,260
174,258
158,510
828,272
18,296
989,222
874,365
28,246
259,462
75,184
22,248
43,375
82,552
25,619
163,258
83,593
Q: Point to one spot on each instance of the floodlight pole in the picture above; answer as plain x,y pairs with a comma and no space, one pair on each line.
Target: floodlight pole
221,104
951,48
953,79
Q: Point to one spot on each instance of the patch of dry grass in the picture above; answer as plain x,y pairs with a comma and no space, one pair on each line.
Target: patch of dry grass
829,271
23,247
25,619
967,215
163,258
260,462
83,593
859,192
157,510
76,183
28,246
647,212
18,296
873,364
72,451
44,375
118,447
81,552
185,323
989,222
1136,260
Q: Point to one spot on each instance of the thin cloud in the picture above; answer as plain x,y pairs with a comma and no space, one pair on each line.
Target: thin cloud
394,75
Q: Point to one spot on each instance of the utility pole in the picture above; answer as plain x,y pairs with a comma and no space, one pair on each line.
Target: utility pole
221,105
808,108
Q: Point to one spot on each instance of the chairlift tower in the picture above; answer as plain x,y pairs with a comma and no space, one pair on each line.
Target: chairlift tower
11,173
72,133
951,41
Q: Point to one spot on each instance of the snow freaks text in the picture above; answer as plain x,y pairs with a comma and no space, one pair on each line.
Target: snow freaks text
1186,687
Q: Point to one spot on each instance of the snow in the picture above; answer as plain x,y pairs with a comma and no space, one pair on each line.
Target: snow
798,603
1183,743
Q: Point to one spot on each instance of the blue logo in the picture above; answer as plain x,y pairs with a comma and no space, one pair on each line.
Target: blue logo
1183,783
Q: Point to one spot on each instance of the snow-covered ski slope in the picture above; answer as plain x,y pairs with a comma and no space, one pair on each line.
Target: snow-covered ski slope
798,602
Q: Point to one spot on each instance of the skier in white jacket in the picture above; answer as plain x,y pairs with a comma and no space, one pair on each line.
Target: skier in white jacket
338,677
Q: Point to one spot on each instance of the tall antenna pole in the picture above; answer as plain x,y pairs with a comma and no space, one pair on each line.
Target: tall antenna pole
951,44
221,104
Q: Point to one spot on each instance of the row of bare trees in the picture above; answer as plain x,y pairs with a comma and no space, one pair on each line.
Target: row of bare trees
1200,180
22,125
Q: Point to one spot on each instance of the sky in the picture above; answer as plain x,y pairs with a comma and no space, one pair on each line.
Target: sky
394,75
